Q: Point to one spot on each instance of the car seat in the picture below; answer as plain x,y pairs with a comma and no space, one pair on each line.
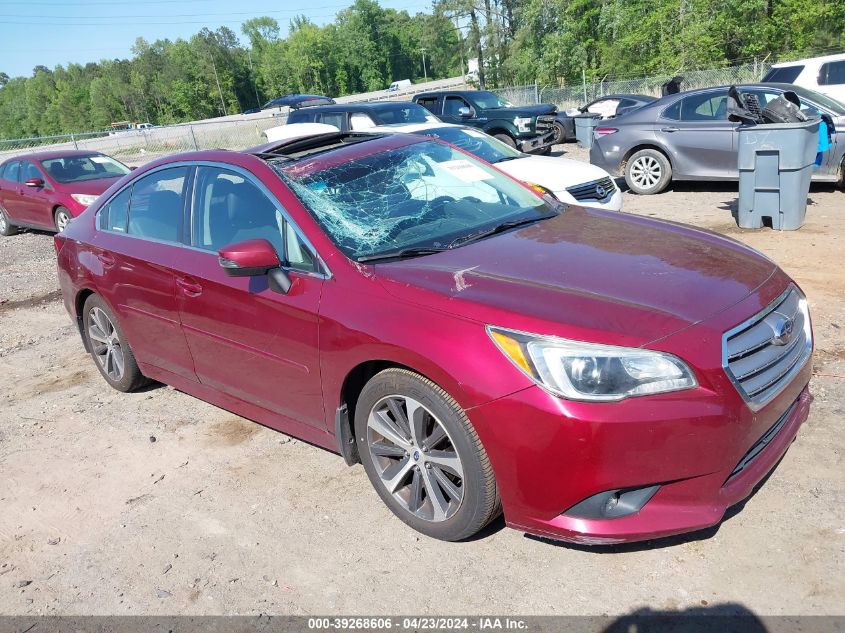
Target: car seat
161,218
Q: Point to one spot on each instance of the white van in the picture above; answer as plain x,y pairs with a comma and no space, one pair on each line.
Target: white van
823,74
399,85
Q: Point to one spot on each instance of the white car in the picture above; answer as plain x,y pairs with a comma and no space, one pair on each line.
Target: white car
571,181
297,130
822,74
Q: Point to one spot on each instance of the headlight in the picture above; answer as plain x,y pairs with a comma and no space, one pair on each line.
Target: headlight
85,199
586,371
523,123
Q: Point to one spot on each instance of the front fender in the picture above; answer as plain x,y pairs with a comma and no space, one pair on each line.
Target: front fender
498,126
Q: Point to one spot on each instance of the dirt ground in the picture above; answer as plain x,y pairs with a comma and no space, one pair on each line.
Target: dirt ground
157,503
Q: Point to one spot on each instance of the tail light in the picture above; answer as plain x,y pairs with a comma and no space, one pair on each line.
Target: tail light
604,131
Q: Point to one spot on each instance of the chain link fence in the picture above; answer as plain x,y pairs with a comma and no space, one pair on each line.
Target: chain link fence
135,147
565,97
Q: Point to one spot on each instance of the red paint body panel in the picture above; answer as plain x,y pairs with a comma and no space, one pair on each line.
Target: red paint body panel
34,206
282,359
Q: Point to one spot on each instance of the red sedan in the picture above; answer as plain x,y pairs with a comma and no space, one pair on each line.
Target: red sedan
597,376
47,190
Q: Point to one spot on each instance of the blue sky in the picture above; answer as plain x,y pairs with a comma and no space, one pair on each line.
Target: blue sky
51,32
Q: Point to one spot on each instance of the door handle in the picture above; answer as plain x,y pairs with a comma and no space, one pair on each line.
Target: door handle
106,259
189,286
670,129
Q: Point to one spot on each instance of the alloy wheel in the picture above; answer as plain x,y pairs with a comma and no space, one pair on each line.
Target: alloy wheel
415,458
105,343
646,172
62,220
3,222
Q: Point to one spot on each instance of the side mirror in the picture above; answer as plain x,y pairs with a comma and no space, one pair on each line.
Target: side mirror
248,258
465,112
34,182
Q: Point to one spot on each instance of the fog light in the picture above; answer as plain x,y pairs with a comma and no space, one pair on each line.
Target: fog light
612,504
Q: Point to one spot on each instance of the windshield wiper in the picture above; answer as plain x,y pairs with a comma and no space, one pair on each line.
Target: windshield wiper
499,228
504,158
404,252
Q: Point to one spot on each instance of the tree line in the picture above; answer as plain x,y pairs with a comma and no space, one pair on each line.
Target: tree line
367,46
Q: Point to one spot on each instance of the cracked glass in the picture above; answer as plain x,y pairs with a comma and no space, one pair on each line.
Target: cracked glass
422,195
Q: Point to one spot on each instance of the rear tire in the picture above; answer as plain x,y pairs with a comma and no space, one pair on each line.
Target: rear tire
61,218
506,138
423,456
109,347
560,133
6,227
648,172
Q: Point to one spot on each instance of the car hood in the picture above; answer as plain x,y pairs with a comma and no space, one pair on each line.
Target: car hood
532,111
92,187
586,274
553,173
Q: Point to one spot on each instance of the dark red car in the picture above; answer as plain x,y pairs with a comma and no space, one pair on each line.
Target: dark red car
599,377
47,190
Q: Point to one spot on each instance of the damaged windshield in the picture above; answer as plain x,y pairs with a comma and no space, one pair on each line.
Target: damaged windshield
411,200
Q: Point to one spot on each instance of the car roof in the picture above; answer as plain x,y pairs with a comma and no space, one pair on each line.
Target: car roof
461,93
415,127
807,60
625,95
346,107
47,155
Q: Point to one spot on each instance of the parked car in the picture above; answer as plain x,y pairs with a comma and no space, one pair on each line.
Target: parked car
399,85
600,377
363,116
292,101
687,136
529,128
570,181
46,190
608,107
822,74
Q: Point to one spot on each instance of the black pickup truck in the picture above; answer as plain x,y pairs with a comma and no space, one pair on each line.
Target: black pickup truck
530,128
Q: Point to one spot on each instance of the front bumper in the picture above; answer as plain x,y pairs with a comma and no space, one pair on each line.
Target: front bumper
549,454
536,143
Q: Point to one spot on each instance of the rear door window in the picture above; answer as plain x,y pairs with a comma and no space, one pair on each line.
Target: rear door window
429,103
708,106
784,74
832,73
336,119
10,172
157,205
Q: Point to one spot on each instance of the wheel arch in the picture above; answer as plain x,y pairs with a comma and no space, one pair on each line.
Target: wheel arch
353,384
642,146
78,304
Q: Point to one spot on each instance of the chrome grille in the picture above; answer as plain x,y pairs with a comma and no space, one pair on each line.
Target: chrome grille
545,123
763,354
599,190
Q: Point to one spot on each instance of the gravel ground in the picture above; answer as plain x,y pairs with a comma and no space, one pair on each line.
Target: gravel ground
158,503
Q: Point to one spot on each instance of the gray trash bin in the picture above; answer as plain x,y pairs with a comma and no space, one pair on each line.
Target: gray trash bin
775,167
584,126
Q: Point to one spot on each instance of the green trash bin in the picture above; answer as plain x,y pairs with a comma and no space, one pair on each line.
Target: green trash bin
585,124
776,162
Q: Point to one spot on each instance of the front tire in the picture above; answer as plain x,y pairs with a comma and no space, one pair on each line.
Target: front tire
648,172
6,227
423,456
507,139
61,218
109,348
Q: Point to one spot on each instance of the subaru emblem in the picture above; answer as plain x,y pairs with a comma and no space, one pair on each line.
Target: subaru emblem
782,330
